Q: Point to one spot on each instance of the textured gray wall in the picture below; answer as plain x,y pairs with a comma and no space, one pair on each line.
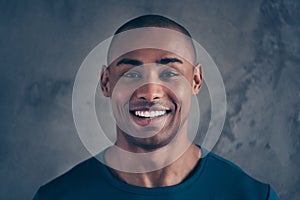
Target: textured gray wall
42,44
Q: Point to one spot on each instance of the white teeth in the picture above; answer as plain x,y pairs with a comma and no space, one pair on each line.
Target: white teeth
149,113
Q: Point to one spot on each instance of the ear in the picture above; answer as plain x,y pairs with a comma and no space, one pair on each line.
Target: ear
104,82
197,79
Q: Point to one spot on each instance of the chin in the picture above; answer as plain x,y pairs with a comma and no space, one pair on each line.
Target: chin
150,144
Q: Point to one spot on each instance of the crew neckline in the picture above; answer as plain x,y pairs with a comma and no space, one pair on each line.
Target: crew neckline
190,179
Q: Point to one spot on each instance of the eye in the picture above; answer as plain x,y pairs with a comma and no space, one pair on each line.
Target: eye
132,74
168,74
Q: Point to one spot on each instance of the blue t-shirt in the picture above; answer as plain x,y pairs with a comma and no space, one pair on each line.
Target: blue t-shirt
212,178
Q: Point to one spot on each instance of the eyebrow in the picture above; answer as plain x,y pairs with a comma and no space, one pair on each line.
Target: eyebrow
127,61
170,60
164,61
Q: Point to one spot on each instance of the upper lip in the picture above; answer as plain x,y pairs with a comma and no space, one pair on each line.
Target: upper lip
148,106
149,109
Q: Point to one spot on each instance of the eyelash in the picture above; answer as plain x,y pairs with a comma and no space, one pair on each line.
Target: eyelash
168,73
131,74
163,75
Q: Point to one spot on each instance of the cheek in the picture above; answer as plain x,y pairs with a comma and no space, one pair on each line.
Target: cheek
119,104
122,91
119,98
185,95
182,88
183,91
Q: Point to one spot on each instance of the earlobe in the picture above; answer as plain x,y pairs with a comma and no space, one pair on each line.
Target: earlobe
197,79
104,82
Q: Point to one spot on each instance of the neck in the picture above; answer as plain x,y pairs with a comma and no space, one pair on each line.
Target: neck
164,167
167,176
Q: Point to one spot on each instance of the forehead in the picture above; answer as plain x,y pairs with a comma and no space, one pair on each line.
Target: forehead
146,56
163,39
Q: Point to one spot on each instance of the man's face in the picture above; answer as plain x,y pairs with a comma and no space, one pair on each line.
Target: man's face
151,92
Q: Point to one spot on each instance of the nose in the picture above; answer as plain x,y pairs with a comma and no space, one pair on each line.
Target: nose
150,92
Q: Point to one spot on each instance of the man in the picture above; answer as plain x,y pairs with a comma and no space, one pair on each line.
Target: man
151,78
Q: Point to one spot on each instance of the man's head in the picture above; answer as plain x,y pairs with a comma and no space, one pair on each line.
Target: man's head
150,79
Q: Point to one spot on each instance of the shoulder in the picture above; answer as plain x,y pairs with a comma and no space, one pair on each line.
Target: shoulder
220,163
230,180
85,173
225,170
80,172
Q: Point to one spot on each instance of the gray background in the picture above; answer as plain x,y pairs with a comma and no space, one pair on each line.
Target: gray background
254,43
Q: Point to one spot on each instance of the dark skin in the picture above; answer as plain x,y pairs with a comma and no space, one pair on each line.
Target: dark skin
167,77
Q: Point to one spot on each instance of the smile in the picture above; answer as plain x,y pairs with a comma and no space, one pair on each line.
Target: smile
145,116
151,114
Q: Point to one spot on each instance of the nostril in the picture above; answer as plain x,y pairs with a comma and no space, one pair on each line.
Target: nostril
150,92
142,98
148,97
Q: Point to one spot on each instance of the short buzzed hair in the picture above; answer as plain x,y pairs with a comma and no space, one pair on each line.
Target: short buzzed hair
154,21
